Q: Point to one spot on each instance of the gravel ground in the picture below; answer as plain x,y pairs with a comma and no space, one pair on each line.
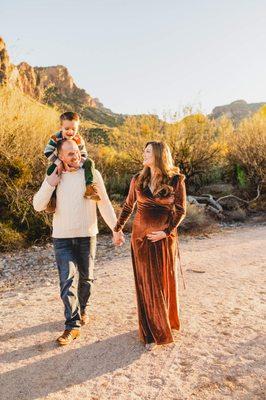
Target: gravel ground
218,354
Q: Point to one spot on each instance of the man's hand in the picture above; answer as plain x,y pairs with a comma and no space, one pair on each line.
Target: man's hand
155,236
60,168
54,178
118,238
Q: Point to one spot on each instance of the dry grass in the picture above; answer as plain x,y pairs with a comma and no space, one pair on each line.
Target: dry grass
247,148
26,125
197,220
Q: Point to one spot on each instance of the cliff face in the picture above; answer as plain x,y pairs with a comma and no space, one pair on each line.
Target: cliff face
27,81
236,111
9,74
56,87
41,82
59,77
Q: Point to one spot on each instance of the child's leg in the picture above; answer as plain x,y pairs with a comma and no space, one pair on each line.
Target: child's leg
88,168
51,169
91,190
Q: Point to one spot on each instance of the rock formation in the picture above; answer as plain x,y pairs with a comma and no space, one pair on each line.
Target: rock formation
35,81
9,74
55,86
236,111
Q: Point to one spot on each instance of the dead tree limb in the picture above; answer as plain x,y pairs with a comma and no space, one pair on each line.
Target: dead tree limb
244,201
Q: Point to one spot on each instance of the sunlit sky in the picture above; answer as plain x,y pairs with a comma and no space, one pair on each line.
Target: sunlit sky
146,56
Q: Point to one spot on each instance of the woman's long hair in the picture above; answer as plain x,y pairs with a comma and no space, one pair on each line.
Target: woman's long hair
164,167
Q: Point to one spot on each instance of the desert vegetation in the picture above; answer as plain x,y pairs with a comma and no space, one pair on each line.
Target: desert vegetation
209,152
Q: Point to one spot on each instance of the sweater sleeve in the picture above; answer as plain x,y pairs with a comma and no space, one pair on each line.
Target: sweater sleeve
105,206
179,211
50,149
128,206
42,197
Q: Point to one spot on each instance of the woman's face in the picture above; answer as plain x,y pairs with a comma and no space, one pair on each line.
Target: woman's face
148,156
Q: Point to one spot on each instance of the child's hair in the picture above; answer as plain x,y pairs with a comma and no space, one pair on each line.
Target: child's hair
69,116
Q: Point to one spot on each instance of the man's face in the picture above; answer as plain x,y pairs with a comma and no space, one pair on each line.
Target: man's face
69,128
70,154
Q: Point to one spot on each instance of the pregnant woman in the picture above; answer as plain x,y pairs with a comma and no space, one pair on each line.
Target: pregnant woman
160,194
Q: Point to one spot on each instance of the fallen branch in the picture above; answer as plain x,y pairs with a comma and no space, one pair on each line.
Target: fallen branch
244,201
207,201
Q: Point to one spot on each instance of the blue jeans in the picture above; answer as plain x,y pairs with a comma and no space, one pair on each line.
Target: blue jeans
75,261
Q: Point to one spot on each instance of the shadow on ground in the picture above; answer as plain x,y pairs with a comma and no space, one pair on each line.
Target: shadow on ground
72,366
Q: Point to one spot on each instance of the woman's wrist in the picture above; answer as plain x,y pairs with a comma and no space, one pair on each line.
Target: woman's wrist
117,228
167,231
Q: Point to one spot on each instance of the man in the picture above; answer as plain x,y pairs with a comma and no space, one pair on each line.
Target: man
74,233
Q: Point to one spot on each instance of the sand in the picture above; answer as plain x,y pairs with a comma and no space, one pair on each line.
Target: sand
218,353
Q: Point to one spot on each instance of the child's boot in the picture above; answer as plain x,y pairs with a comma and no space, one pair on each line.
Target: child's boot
91,193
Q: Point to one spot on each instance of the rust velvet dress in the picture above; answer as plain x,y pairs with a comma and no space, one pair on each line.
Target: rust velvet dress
154,263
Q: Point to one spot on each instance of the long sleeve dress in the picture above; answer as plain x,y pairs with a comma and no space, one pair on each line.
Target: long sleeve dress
154,263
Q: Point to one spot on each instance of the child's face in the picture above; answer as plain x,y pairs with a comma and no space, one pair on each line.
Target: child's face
69,129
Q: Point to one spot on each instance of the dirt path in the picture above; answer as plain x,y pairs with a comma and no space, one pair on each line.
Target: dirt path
217,355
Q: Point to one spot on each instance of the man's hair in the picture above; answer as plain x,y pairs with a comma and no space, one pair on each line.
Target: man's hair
69,116
60,144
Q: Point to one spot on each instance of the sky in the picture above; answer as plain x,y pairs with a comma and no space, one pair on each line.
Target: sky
146,56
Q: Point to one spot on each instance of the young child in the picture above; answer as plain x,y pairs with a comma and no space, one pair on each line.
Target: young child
69,130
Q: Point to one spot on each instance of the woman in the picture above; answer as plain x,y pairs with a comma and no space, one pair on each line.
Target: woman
160,194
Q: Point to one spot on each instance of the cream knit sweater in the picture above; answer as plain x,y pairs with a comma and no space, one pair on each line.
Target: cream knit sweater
75,216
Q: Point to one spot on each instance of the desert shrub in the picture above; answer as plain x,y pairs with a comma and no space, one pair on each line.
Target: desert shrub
25,126
10,238
237,215
206,151
196,220
97,135
116,168
195,146
194,143
247,152
131,137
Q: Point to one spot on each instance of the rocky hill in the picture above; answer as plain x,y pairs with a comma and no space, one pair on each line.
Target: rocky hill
236,111
54,86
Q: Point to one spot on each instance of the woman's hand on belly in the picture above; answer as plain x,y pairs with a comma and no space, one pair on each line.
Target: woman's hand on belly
155,236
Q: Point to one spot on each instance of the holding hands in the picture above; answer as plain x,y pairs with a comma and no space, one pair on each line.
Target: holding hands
118,238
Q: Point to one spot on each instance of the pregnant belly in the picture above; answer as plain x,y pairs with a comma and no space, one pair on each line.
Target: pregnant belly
150,220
